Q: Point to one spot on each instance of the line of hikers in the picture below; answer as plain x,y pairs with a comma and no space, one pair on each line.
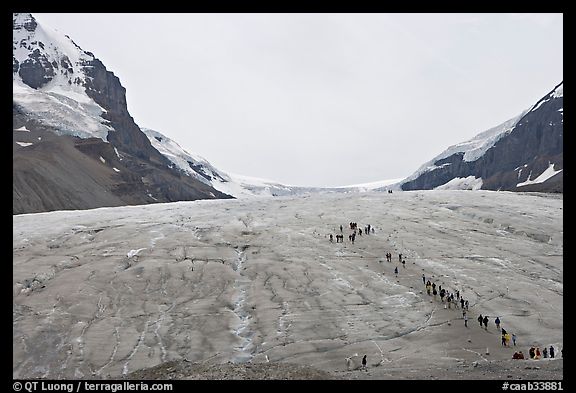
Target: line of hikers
534,353
452,298
505,337
352,237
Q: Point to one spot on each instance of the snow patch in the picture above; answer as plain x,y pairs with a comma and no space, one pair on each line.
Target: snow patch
462,183
547,174
132,253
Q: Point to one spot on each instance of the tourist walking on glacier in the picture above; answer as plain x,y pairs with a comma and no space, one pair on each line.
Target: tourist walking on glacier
480,319
465,320
497,322
551,351
423,279
396,271
485,320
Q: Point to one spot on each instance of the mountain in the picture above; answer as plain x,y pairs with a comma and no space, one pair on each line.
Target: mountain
524,153
75,145
239,186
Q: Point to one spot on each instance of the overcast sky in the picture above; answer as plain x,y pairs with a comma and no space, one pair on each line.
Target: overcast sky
323,99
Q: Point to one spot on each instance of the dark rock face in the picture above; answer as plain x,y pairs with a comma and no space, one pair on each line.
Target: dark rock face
36,70
534,143
106,90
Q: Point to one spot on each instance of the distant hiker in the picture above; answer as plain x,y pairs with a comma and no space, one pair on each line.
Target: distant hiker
462,302
372,230
331,239
463,313
423,279
537,354
551,351
545,353
514,338
466,304
442,294
497,322
458,295
503,340
340,227
433,285
485,320
480,318
364,362
520,355
465,320
434,292
396,271
404,263
400,257
504,331
531,352
360,231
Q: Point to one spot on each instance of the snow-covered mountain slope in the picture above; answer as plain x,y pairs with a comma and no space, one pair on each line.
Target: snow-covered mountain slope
49,78
239,186
511,156
82,148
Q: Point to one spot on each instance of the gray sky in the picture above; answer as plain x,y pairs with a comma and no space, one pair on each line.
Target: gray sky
323,99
